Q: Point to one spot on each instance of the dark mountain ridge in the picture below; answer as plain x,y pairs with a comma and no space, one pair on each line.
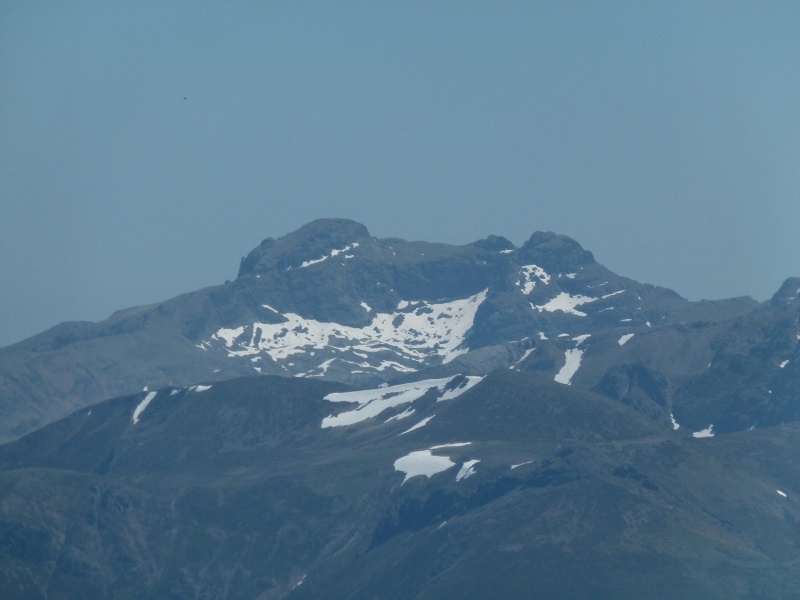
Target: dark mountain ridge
235,490
330,301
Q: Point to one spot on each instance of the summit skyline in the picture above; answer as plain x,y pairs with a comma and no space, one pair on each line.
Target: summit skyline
146,148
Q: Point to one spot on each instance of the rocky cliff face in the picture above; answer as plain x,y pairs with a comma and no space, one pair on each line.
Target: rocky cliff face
332,302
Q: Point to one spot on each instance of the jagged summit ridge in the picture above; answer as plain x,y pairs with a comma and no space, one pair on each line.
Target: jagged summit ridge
788,292
323,236
331,301
555,252
314,240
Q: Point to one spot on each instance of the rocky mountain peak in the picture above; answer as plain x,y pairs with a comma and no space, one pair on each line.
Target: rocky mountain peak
319,238
494,243
555,252
788,292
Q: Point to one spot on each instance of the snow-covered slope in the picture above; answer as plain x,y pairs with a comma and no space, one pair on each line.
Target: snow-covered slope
330,301
416,334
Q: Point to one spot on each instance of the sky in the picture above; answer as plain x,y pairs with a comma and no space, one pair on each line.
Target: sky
145,147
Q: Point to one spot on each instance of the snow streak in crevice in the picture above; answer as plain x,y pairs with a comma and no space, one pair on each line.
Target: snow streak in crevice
373,402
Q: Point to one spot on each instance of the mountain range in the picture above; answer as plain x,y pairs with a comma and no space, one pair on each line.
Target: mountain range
355,417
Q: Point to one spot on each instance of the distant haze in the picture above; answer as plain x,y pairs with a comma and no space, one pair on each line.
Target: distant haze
146,147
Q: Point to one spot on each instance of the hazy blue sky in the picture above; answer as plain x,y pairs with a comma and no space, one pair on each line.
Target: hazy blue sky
663,136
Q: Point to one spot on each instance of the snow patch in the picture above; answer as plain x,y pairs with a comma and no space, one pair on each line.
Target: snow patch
324,366
705,433
529,275
366,307
621,341
675,425
141,406
228,335
422,423
471,381
467,470
781,493
373,402
571,365
783,364
524,356
364,397
400,416
199,388
566,303
613,294
333,253
581,338
521,464
410,338
422,462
